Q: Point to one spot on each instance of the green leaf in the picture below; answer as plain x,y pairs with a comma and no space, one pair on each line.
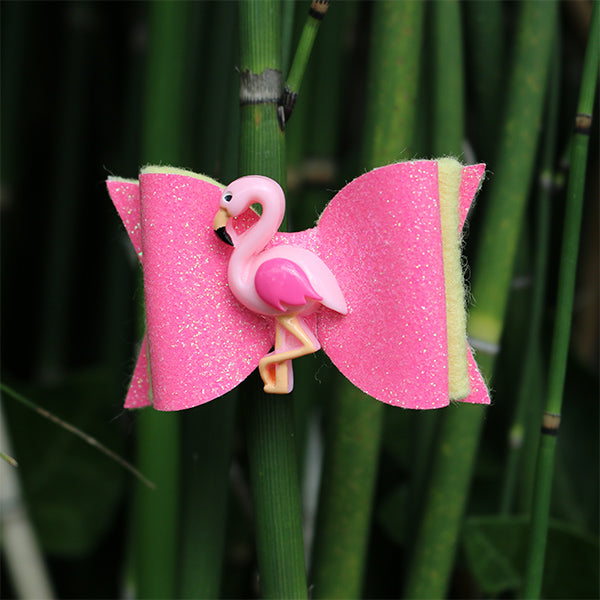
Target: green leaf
72,490
492,559
496,548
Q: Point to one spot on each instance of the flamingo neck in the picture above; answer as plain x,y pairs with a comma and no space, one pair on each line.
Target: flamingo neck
253,241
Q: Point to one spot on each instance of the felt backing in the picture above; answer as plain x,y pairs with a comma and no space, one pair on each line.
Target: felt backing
450,176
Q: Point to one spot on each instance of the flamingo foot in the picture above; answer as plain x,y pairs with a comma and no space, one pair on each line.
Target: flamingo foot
279,377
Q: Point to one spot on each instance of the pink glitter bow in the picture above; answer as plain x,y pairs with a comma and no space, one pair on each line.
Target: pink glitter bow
381,238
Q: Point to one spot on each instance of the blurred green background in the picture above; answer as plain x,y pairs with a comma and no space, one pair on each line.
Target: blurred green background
77,94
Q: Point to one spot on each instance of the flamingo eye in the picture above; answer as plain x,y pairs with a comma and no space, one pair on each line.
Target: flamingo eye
227,197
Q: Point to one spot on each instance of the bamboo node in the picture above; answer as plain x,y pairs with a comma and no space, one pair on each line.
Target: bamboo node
318,8
550,423
264,88
583,123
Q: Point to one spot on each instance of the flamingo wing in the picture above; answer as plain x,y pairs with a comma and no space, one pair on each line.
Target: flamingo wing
280,281
200,341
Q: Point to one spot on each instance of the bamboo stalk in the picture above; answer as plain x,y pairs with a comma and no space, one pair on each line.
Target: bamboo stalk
434,556
269,420
58,271
157,443
15,60
393,82
527,392
514,170
317,12
448,102
213,154
288,10
207,431
486,69
350,468
355,420
566,289
447,137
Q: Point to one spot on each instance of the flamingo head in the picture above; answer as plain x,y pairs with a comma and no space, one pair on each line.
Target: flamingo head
239,195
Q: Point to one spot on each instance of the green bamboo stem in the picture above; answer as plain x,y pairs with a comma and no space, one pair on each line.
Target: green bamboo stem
15,59
276,494
311,141
269,419
291,89
307,39
163,127
207,431
213,153
436,543
207,434
566,289
527,391
262,146
514,170
158,435
352,450
447,137
117,313
393,82
288,10
355,420
448,102
201,66
58,272
485,37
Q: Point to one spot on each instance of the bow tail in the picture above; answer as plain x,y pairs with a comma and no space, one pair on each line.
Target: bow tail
125,194
200,343
402,341
139,394
479,393
471,179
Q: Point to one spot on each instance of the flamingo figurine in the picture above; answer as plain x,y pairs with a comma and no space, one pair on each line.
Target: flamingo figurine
285,282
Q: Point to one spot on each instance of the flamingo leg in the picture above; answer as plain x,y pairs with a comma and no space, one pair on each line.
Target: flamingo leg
280,361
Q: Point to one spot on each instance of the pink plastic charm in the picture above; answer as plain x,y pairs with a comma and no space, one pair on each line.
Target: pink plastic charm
286,282
366,284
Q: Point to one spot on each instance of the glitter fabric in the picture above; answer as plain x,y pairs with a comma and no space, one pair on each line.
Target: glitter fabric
380,236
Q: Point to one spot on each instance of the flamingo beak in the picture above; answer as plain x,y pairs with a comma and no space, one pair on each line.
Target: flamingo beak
219,223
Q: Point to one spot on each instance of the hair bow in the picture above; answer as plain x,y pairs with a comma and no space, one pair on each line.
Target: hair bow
377,283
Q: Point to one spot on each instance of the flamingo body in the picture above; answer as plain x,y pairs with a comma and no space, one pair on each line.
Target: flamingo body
280,281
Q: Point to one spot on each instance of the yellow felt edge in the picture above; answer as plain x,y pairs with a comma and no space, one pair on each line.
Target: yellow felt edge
122,179
449,179
177,171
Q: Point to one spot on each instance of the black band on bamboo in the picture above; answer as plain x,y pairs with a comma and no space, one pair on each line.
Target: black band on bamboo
550,424
318,8
286,105
583,124
264,88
